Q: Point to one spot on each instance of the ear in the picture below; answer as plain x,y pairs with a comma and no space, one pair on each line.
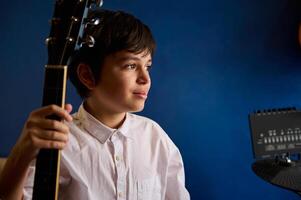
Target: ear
85,75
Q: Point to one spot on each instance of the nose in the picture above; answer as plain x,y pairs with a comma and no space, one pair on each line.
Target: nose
143,77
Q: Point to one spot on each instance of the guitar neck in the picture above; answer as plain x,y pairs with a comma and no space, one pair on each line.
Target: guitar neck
48,160
65,29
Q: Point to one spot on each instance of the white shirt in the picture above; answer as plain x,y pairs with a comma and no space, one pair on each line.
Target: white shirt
137,161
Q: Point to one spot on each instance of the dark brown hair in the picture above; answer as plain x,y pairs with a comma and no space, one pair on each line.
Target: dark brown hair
112,31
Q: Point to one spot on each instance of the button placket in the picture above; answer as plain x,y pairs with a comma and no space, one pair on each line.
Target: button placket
120,166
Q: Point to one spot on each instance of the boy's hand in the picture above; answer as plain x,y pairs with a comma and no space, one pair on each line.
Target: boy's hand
40,132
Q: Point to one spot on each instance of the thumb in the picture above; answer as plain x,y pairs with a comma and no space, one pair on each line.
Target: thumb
68,108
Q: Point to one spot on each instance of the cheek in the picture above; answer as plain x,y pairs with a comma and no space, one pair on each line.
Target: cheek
125,86
118,84
119,87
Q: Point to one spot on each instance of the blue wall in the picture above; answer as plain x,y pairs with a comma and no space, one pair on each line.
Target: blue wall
216,62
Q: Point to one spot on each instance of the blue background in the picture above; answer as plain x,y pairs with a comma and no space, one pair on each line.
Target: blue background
216,62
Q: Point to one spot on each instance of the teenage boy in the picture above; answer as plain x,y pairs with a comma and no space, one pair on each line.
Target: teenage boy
107,152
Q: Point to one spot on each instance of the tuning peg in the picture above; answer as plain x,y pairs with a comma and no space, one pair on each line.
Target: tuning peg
95,3
91,22
49,40
99,3
89,41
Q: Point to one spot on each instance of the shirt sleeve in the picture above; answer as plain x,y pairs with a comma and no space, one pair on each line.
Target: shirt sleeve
175,189
64,181
28,187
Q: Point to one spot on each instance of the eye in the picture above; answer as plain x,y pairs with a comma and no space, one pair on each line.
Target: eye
130,66
149,67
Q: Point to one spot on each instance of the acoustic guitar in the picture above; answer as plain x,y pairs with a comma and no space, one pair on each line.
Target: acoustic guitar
66,25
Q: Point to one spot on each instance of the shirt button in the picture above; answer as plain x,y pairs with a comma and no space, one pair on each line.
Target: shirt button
119,194
117,158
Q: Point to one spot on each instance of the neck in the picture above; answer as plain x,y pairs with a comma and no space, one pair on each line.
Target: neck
107,117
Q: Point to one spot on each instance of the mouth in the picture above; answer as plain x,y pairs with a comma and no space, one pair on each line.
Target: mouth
142,95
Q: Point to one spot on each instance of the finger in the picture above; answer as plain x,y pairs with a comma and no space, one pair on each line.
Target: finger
49,124
53,110
48,134
52,135
44,123
48,144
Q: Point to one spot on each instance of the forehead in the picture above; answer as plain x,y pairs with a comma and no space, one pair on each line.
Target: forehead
127,55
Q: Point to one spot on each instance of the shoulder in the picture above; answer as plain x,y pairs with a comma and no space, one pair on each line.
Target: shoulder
145,123
149,130
77,136
141,119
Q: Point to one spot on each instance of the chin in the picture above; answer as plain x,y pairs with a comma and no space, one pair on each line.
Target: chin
136,108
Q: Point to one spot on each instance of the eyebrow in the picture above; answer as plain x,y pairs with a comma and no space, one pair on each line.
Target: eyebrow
124,58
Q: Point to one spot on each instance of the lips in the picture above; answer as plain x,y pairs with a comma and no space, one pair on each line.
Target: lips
140,94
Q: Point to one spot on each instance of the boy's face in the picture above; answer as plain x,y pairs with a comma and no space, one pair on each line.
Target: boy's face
124,82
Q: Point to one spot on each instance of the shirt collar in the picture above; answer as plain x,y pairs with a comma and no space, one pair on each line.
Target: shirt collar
99,130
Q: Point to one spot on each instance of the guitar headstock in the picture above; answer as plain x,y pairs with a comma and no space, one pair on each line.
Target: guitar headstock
65,28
